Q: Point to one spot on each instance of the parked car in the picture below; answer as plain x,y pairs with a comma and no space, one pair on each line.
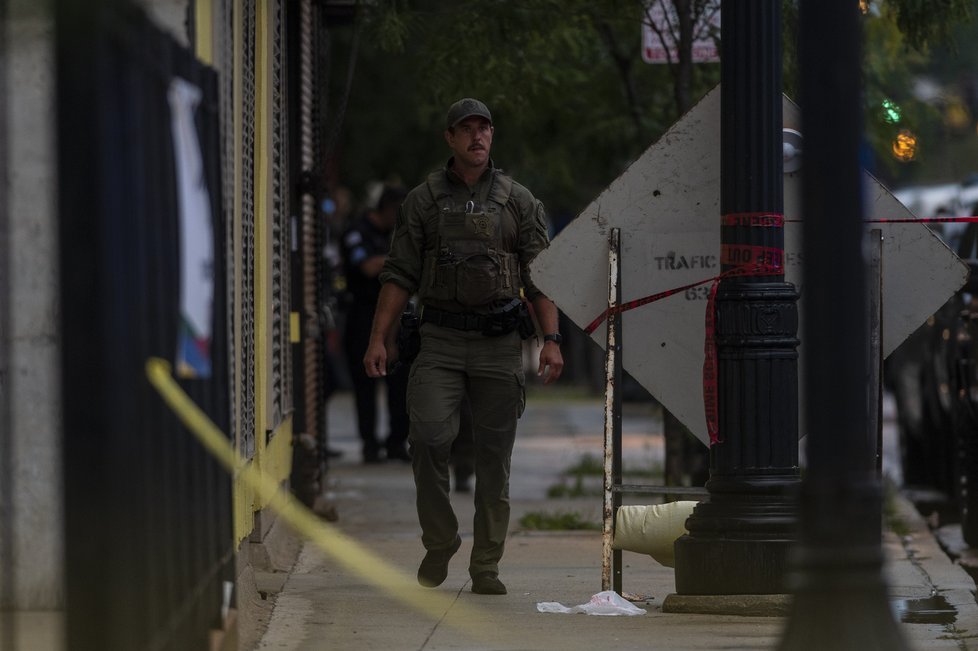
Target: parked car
934,378
932,200
968,195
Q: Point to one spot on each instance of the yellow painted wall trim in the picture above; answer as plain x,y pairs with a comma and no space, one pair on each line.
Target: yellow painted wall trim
263,218
204,30
243,505
295,334
243,498
275,463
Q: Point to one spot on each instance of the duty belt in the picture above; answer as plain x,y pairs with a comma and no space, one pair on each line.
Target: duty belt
458,321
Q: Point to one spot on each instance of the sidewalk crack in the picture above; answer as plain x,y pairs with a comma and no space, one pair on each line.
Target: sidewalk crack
441,619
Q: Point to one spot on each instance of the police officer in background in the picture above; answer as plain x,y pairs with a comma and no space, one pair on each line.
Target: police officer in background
463,242
364,246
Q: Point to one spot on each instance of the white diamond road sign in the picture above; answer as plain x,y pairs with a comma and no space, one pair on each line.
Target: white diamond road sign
667,205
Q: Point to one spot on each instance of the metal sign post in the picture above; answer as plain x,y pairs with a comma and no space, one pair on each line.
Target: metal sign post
875,305
611,559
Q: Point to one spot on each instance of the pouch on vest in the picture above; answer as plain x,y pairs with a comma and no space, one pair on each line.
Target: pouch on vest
469,268
482,278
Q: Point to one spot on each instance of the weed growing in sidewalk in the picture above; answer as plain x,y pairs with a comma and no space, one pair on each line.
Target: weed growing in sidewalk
587,466
575,489
891,518
557,521
573,484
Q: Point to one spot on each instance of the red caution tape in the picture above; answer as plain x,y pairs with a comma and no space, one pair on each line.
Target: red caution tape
912,220
751,260
760,219
747,261
711,398
630,305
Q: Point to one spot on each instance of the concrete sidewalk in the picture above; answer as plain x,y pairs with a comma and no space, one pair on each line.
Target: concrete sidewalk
320,605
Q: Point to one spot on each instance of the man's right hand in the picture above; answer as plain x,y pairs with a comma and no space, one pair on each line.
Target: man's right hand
391,303
375,360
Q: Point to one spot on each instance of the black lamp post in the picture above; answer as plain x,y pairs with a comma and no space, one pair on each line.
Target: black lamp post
739,538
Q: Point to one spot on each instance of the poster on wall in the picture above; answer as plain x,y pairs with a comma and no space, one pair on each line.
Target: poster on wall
193,359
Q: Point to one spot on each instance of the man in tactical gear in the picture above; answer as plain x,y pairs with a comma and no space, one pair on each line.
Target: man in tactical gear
463,242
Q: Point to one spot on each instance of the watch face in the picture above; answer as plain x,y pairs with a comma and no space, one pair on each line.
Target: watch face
556,338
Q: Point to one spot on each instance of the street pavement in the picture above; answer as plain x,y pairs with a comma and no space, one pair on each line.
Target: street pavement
320,604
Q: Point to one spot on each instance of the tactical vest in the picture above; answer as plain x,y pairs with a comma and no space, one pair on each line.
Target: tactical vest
468,263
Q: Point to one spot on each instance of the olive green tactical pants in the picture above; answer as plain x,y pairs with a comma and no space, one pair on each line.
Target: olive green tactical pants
453,363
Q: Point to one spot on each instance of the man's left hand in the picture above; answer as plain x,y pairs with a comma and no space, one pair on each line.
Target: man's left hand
551,362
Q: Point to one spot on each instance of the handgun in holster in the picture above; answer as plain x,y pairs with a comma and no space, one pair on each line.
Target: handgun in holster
409,337
513,315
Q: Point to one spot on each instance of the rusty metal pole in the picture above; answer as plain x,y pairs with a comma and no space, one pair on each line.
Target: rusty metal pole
611,559
841,599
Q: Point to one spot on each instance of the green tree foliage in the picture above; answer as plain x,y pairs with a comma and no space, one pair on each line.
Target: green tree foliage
572,100
928,22
906,41
889,67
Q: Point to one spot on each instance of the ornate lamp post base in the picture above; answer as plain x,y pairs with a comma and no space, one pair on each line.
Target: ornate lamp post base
739,542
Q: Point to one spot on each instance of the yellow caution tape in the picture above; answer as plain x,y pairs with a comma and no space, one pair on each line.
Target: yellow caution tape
344,549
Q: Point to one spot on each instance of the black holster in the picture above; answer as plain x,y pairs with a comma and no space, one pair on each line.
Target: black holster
409,337
525,323
513,315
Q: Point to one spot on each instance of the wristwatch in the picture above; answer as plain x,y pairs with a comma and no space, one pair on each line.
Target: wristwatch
555,337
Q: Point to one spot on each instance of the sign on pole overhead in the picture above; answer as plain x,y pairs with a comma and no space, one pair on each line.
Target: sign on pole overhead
660,33
667,205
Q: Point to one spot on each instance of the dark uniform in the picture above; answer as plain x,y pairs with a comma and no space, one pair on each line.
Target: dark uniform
361,241
466,251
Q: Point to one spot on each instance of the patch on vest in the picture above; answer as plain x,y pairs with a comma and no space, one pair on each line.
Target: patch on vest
484,226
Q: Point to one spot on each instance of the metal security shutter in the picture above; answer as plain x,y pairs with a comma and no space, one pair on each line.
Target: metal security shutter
247,245
305,477
140,492
318,280
280,352
311,344
227,179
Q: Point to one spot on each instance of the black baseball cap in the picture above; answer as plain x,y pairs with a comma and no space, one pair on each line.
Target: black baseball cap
466,108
